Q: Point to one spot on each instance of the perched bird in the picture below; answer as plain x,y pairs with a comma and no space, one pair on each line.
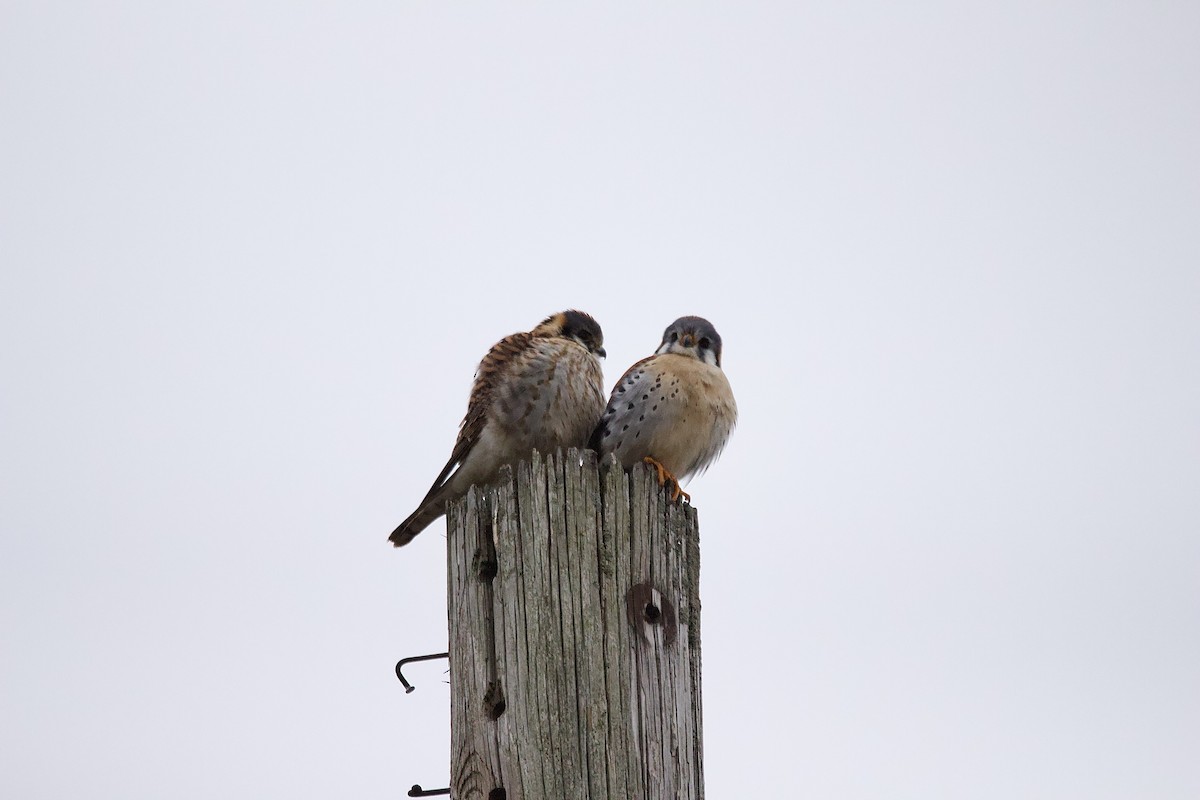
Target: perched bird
673,410
538,390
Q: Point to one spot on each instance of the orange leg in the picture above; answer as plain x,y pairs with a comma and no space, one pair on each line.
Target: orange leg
665,476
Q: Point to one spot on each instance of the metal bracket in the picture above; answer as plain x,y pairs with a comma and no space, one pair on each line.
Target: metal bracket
416,790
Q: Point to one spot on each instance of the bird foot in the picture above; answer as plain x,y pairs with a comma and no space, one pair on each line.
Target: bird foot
665,477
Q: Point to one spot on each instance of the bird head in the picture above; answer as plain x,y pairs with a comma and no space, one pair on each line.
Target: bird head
692,336
576,325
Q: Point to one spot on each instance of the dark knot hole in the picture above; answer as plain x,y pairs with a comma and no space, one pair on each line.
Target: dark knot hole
487,570
493,701
652,612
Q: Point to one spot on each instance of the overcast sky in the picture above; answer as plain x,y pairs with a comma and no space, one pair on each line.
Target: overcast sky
250,254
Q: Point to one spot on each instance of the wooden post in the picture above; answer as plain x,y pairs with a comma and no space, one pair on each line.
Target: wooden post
574,637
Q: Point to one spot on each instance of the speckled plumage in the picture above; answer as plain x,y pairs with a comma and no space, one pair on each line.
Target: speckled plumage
538,390
675,406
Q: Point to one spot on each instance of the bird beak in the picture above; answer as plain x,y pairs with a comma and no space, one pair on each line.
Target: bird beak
600,352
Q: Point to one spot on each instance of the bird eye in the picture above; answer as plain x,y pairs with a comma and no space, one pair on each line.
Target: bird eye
705,343
674,336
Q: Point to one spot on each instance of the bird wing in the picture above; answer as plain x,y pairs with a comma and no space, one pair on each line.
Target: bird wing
491,371
629,382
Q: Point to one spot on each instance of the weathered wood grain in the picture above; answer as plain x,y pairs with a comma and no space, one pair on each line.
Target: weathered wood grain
574,637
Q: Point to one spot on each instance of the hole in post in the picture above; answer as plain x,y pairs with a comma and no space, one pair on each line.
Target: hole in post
645,605
484,563
497,794
487,569
493,701
496,710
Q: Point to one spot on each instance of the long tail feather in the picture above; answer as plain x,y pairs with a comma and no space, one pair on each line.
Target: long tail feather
420,519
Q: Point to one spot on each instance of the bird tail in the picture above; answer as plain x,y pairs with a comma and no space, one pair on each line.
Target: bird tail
425,514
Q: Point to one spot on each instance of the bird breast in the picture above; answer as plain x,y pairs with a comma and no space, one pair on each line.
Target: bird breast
674,408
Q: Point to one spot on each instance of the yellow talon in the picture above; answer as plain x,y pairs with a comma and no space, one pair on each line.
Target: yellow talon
664,475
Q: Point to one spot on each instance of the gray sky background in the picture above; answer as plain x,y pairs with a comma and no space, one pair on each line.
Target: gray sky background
252,253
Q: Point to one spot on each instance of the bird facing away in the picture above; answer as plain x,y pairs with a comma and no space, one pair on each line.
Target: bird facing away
538,390
674,409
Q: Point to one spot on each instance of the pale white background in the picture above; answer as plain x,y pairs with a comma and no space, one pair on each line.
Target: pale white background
251,254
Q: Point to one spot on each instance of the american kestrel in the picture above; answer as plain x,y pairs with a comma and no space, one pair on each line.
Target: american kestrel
673,410
538,390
